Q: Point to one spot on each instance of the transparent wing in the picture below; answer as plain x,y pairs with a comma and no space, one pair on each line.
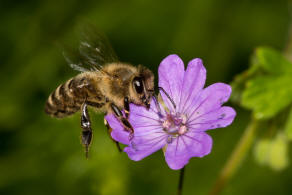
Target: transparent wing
94,51
76,61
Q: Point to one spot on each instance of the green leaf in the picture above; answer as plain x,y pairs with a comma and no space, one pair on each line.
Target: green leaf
288,126
238,84
272,61
264,60
267,95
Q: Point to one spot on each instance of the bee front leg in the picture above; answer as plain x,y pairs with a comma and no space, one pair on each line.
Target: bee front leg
86,134
126,123
109,129
127,106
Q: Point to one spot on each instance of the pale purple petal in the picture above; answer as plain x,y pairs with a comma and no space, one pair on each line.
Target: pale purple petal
193,83
118,133
171,74
149,135
211,98
141,118
192,144
219,118
144,145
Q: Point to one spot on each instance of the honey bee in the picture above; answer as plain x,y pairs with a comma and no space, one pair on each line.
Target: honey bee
108,85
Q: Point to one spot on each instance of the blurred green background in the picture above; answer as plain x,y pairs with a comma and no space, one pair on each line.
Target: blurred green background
42,155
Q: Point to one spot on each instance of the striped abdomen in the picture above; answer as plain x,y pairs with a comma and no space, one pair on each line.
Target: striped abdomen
65,100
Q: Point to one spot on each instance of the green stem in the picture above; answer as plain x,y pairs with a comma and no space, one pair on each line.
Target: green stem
288,49
181,181
236,157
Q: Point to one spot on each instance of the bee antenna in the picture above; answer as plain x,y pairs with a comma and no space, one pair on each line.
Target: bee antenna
171,100
155,99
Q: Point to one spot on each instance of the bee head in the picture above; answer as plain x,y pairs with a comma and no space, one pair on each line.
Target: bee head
143,86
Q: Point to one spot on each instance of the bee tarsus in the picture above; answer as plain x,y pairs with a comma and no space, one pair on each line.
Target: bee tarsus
109,130
118,113
86,134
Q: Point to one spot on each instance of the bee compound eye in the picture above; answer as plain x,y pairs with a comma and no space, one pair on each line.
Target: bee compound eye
138,85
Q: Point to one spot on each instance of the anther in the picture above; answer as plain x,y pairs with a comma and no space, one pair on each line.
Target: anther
182,130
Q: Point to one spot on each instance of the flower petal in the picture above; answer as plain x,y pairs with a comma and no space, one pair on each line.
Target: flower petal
192,144
171,74
211,98
144,145
193,83
149,135
118,132
141,118
219,118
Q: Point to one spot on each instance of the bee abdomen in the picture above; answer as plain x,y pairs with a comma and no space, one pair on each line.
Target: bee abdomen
63,101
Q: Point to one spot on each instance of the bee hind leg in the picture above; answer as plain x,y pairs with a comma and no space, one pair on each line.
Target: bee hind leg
109,129
118,113
86,134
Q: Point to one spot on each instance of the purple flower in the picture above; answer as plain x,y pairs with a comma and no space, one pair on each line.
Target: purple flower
179,129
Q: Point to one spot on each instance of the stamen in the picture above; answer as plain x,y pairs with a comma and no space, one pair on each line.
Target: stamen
184,118
166,124
175,124
182,130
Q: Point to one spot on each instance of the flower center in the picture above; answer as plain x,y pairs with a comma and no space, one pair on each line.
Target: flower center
175,124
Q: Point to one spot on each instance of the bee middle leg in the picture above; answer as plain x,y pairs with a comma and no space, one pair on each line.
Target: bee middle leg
86,134
109,129
118,113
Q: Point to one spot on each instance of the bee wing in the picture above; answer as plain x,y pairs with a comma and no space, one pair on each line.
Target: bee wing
76,61
94,51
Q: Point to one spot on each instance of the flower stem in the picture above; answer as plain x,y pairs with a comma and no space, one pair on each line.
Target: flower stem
181,181
288,49
236,157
